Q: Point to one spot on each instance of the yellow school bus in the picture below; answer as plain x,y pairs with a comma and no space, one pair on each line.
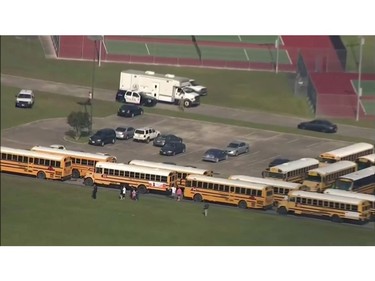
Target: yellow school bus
366,161
351,153
280,188
293,171
82,162
32,163
338,208
182,171
322,178
142,178
234,192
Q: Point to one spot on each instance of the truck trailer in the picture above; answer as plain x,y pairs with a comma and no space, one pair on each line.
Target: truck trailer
166,88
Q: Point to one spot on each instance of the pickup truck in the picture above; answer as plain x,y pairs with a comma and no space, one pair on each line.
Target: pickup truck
25,99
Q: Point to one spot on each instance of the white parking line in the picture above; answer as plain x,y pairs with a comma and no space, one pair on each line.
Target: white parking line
292,141
314,144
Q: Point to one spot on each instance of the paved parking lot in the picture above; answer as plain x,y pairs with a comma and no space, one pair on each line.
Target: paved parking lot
198,136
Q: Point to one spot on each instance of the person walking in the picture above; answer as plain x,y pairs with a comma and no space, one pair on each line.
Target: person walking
205,209
94,191
173,192
123,192
179,194
134,194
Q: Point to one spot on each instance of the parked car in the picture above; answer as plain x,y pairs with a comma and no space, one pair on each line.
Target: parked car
173,148
145,134
124,133
134,97
318,125
215,155
161,140
129,110
235,148
25,99
103,136
278,161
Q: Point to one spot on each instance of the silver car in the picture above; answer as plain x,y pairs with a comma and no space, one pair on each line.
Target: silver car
235,148
124,133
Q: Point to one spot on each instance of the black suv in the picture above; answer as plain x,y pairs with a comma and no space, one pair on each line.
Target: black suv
103,137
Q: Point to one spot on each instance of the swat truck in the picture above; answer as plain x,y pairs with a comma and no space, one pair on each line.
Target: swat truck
166,88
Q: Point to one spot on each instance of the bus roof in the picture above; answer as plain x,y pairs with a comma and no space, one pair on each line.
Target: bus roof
323,196
370,157
370,171
133,168
271,182
35,154
182,169
347,150
227,182
293,165
334,167
350,194
96,156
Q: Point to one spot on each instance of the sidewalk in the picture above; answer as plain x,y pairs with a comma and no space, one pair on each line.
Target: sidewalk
209,110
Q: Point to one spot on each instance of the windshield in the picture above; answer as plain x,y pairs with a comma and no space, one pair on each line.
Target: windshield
193,83
268,174
24,96
139,131
343,185
233,145
121,129
314,178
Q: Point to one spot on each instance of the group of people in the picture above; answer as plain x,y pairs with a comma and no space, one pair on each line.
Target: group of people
176,193
133,192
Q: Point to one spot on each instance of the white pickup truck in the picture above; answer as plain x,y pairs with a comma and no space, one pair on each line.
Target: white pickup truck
25,99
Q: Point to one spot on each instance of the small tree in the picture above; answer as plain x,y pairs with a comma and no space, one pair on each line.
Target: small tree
79,121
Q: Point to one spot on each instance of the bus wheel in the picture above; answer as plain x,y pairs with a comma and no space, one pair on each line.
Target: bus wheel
75,174
197,198
142,189
336,218
88,182
242,204
41,175
282,211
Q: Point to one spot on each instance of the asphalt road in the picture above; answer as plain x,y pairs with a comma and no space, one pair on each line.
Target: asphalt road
211,110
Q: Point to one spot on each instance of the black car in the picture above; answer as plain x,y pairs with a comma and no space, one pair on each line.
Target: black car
318,125
161,140
173,148
215,155
129,110
277,161
103,137
133,97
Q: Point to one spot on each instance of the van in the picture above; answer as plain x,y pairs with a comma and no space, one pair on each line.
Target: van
103,136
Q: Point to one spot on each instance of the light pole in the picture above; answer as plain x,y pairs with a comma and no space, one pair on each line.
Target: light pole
359,88
277,54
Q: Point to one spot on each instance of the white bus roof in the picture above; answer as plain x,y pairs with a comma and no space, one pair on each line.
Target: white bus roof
29,153
350,194
347,150
370,171
158,165
370,157
271,182
96,156
334,167
227,182
322,196
133,168
296,164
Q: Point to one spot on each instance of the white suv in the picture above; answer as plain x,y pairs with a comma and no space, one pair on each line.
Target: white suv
145,134
25,98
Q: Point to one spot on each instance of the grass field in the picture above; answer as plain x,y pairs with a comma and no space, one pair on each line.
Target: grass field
51,213
352,44
249,90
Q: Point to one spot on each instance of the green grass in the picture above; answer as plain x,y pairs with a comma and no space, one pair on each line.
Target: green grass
51,213
352,44
227,88
46,106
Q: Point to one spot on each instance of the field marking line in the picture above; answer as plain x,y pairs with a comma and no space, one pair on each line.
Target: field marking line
148,51
316,143
247,57
239,37
286,51
105,46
